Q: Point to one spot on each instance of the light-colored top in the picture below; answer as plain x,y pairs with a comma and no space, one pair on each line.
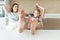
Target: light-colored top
12,17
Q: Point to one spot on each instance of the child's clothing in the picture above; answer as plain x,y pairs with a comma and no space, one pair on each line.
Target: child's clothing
36,19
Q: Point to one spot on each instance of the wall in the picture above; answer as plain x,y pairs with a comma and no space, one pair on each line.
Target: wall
51,6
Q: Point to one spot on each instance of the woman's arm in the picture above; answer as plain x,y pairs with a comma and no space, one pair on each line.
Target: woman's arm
6,8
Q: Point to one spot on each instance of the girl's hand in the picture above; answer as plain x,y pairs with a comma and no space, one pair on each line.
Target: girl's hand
36,4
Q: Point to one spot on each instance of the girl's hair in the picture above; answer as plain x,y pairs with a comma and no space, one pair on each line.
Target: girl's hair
13,6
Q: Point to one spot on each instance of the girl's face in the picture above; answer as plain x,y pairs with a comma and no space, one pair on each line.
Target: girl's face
15,8
36,13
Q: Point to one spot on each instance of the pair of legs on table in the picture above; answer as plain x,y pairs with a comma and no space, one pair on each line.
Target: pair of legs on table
21,22
33,25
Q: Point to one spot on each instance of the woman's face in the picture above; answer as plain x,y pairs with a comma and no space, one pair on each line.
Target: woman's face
36,13
15,8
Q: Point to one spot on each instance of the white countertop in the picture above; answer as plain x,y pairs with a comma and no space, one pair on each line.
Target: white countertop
40,35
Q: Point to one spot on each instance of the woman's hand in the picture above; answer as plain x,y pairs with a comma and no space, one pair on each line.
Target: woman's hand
6,8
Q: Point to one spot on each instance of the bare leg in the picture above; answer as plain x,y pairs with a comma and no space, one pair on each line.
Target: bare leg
22,21
22,27
33,27
38,27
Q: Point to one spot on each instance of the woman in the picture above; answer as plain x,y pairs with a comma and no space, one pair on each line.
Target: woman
14,17
36,22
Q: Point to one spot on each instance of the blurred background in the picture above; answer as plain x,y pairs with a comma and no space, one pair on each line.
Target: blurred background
51,6
52,13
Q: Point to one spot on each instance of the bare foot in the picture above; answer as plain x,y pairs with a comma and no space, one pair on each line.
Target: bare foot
21,30
32,32
33,27
23,23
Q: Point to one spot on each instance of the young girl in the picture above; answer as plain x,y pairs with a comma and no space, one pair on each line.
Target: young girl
15,17
36,23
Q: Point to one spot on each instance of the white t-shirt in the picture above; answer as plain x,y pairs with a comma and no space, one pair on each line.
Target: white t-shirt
12,17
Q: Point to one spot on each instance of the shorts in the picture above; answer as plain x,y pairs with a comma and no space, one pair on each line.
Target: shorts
14,25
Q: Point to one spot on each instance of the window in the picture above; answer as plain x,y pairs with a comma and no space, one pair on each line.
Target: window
1,9
1,0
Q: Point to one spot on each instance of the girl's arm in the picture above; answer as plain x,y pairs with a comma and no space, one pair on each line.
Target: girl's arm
42,11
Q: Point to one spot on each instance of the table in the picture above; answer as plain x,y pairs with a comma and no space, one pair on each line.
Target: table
40,35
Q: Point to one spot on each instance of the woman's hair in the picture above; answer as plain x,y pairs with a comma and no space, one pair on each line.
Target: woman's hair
13,6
